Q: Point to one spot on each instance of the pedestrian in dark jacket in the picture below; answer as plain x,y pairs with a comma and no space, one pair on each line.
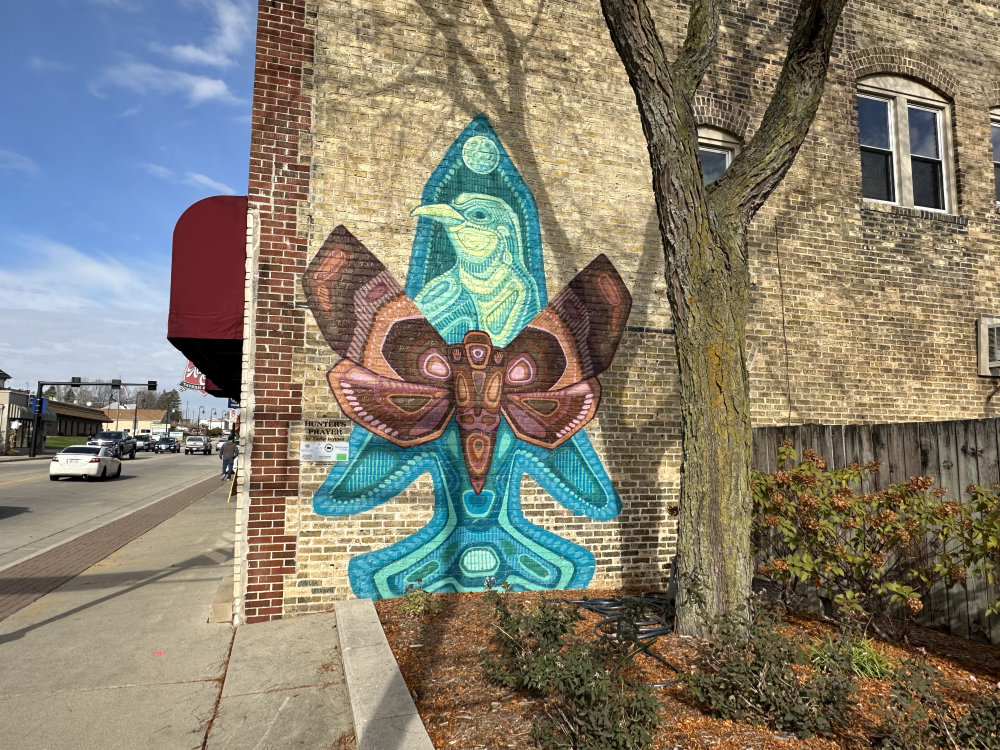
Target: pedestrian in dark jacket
228,453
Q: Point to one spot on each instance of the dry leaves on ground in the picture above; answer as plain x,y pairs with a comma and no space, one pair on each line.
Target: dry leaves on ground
440,655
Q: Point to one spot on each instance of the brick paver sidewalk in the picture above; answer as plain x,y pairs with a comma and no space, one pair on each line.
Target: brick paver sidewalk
32,579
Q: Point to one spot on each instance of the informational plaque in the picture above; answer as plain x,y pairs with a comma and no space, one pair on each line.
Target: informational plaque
330,451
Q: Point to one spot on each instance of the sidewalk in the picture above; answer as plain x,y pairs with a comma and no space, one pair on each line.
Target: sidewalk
123,655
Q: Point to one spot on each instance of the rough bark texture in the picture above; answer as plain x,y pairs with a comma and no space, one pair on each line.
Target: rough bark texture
704,232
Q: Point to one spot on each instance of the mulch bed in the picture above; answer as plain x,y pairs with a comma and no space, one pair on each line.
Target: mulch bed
440,655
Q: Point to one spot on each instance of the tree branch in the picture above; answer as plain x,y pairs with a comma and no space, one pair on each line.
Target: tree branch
634,35
699,46
761,166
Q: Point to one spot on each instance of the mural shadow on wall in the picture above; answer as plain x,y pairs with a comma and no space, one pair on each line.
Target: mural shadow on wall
501,97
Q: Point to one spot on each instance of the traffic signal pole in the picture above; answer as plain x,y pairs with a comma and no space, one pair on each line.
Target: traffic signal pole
36,416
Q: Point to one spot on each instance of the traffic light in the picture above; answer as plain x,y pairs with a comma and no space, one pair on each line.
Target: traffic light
74,382
151,385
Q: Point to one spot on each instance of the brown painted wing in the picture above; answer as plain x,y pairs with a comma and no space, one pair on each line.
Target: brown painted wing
550,382
395,378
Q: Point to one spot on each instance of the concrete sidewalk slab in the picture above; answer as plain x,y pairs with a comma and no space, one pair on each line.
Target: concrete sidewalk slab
285,688
123,655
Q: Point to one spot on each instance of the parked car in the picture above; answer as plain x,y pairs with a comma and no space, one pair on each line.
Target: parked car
167,445
222,441
87,461
197,444
144,442
119,441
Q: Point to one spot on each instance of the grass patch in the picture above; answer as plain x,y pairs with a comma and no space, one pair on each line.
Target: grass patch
58,442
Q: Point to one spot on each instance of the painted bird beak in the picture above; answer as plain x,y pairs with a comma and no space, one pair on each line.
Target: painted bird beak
440,212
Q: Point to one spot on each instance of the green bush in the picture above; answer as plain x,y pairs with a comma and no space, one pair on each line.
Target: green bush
749,673
418,601
588,704
875,555
917,717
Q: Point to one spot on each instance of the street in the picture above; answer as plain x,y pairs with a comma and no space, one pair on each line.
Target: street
36,514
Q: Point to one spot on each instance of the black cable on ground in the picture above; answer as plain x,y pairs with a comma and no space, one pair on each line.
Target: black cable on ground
634,620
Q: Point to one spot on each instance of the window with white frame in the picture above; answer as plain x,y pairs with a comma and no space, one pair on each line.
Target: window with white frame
904,133
716,149
995,137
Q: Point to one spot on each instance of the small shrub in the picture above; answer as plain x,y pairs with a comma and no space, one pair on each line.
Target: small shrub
750,673
875,555
587,702
865,660
418,601
917,717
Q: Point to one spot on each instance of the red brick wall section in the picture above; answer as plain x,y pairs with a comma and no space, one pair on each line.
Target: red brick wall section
279,181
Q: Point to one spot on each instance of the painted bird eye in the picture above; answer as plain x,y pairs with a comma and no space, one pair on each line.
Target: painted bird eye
479,215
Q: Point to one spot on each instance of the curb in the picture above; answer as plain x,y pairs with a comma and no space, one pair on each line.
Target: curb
384,713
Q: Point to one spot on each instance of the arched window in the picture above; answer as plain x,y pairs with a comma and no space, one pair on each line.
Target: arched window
904,130
716,149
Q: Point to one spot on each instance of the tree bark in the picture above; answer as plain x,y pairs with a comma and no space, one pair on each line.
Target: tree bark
704,233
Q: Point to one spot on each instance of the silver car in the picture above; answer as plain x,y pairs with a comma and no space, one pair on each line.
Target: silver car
87,461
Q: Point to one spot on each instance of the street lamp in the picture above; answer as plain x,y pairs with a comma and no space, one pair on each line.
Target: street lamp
201,410
211,420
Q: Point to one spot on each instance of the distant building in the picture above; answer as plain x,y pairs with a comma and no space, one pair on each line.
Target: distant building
134,420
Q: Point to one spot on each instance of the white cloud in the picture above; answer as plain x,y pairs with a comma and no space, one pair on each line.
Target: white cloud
57,276
192,179
69,314
144,78
12,162
235,26
158,171
200,180
44,64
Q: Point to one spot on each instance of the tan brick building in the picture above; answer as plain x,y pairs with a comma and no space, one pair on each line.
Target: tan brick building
871,267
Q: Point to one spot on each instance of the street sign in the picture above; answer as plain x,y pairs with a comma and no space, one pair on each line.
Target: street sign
233,404
37,408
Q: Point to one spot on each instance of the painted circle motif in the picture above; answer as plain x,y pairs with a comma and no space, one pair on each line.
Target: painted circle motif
478,354
433,365
521,370
480,154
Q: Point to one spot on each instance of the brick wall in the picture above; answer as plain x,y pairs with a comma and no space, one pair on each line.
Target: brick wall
860,313
279,185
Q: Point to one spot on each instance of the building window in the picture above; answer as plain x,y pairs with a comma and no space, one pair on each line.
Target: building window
995,137
903,129
716,149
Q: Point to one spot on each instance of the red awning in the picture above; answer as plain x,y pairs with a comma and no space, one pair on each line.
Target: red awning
207,289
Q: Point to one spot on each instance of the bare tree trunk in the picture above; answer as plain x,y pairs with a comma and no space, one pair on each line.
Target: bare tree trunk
704,231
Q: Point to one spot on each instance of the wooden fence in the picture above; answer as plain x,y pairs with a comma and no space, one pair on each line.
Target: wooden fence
956,454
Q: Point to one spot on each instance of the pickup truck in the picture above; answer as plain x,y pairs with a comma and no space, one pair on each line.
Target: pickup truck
121,443
197,444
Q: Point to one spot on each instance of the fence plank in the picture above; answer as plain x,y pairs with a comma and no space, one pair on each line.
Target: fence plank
838,453
897,451
910,448
866,455
976,449
880,453
935,612
950,447
988,440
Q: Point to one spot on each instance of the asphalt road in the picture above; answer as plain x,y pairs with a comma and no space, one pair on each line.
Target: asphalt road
36,514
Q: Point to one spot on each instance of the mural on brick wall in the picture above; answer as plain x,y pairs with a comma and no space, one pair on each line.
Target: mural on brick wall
470,375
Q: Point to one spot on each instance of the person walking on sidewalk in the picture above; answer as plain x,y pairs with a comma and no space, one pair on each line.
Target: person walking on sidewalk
228,453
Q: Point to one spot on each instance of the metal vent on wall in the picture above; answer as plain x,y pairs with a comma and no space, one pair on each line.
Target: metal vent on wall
988,340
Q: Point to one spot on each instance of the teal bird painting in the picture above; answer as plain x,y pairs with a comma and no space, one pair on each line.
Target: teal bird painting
468,374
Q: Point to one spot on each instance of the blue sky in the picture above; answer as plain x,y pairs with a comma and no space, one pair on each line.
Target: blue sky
117,115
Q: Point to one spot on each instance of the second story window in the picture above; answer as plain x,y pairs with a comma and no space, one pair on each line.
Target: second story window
903,135
995,137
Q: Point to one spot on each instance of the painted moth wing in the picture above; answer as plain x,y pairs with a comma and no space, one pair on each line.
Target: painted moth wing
550,382
395,377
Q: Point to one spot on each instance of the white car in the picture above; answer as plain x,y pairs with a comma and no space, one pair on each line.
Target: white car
87,461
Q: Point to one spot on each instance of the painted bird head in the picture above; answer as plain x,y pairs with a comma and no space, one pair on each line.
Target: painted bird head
480,227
